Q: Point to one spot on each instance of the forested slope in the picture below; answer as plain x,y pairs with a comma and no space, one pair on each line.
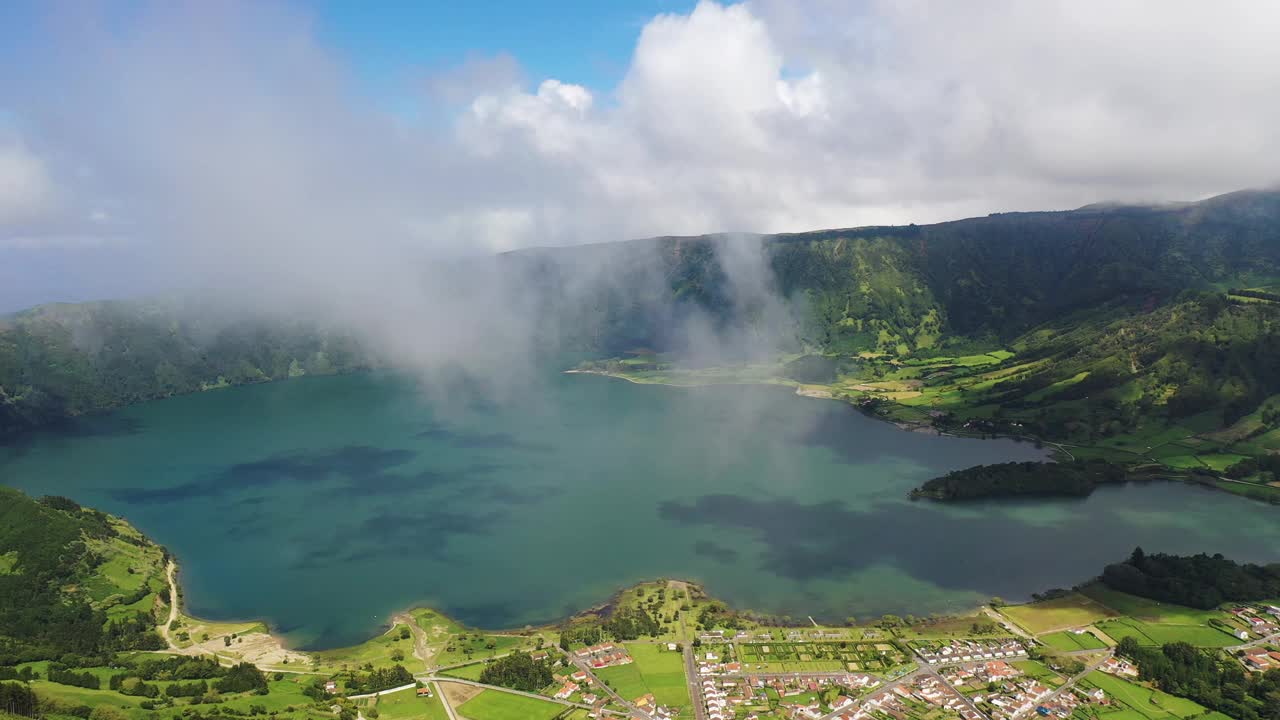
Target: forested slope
75,584
61,361
1082,325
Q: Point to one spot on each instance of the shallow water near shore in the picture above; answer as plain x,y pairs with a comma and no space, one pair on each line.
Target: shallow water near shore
325,504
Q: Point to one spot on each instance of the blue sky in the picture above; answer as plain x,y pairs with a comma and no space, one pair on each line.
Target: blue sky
587,42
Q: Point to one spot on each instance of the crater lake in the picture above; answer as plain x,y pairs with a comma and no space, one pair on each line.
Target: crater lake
323,505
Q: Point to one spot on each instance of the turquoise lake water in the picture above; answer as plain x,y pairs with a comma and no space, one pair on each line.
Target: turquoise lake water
323,505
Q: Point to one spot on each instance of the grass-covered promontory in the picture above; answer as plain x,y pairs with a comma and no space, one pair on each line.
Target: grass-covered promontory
76,585
1024,479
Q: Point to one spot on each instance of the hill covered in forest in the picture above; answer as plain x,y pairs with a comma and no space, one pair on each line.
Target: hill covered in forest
1142,334
76,584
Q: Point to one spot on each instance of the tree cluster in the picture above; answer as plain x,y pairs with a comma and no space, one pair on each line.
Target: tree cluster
1218,684
379,680
39,620
1198,581
1020,479
517,671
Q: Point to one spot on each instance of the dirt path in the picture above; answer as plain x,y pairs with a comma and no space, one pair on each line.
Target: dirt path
170,571
421,650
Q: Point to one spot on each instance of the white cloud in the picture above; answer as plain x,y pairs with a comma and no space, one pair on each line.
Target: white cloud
26,192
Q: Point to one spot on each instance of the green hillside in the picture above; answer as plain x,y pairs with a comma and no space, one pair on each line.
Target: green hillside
1134,334
62,361
75,584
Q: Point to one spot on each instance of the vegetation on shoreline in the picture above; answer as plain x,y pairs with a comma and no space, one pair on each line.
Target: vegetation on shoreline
1198,581
1215,682
1022,479
62,361
78,583
1175,645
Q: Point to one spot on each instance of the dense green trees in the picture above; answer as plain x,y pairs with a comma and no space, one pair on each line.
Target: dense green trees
1199,581
60,674
1016,479
1218,684
62,361
631,623
17,699
517,671
377,680
242,677
39,620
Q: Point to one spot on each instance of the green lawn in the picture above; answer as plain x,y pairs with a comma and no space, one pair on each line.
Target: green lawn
1070,611
1149,610
626,680
497,705
408,706
283,693
1148,633
1039,671
1070,642
466,672
1142,701
663,672
475,646
382,651
655,670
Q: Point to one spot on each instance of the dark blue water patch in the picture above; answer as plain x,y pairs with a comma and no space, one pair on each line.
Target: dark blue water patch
715,551
395,532
488,615
354,463
989,552
96,425
478,441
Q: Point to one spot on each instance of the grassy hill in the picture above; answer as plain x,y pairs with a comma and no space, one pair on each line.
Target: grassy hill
74,583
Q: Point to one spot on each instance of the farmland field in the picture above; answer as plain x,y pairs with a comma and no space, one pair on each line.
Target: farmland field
1069,611
1070,642
820,657
654,670
1145,609
497,705
1148,633
1039,671
1141,701
466,672
407,705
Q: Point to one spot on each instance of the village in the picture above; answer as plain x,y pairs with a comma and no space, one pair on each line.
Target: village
1058,658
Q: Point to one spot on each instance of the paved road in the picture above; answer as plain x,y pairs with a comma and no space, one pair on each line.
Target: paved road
1254,643
444,701
1007,624
380,693
930,670
582,665
692,679
1074,679
880,690
509,691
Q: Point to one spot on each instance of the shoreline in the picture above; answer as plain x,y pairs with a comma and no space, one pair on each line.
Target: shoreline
818,392
600,609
